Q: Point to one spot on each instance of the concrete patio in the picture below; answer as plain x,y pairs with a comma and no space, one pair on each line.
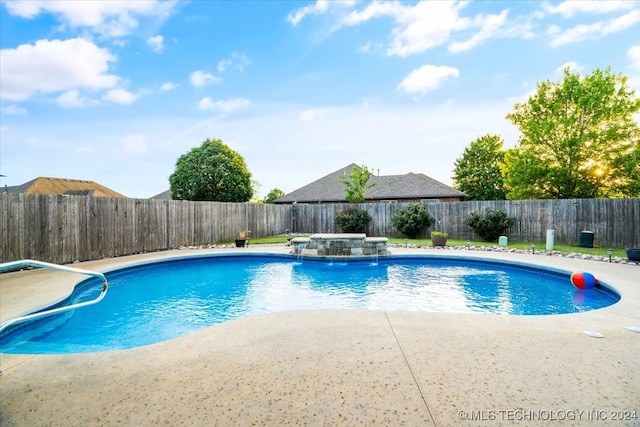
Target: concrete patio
340,367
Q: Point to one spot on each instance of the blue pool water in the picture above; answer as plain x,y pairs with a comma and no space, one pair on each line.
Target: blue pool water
159,301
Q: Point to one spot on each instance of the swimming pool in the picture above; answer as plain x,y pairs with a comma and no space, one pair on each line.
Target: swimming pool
157,301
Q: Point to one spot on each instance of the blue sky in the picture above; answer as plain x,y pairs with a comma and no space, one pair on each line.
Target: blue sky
115,91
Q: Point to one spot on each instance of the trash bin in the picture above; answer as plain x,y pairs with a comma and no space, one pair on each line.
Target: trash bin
586,239
502,241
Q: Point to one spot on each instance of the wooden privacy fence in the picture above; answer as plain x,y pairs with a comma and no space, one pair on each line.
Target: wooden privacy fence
62,229
614,222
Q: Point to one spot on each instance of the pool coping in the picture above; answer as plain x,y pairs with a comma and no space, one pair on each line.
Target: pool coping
412,368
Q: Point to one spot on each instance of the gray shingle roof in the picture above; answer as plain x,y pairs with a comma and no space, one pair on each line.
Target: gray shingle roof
389,187
165,195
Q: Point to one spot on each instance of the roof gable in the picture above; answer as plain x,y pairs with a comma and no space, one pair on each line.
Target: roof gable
326,189
165,195
64,186
389,187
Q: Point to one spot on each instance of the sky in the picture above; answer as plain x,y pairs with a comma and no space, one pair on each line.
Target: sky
116,91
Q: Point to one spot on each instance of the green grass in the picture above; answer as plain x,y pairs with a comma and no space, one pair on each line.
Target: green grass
540,246
268,240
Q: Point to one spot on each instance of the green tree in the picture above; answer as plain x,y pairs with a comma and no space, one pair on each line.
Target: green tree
477,172
629,183
356,184
255,188
578,139
276,193
212,172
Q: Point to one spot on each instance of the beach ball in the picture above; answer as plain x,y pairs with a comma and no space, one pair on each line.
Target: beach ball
583,280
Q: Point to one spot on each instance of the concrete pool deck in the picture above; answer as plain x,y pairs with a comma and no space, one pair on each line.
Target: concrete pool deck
340,367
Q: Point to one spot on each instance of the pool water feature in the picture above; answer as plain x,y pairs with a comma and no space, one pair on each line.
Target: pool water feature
158,301
339,245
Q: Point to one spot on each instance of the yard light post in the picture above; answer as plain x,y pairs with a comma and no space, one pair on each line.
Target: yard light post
406,243
468,244
609,252
533,247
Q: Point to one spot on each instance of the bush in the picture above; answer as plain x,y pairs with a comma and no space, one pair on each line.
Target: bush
489,226
353,220
411,220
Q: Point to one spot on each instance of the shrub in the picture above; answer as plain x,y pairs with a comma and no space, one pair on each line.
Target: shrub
353,220
411,219
489,226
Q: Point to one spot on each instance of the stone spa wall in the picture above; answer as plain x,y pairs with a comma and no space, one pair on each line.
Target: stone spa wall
345,245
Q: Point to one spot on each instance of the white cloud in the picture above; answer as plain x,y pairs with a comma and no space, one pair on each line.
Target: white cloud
366,47
427,78
425,26
120,42
570,8
226,106
311,114
319,7
14,110
119,96
72,99
429,24
108,18
156,43
376,10
238,60
167,86
598,29
634,57
200,78
134,145
32,68
223,64
573,67
489,26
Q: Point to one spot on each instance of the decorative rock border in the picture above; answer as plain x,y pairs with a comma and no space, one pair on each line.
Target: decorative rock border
541,252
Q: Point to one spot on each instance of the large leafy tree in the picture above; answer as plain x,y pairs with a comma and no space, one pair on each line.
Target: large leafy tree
276,193
356,184
212,172
477,172
578,139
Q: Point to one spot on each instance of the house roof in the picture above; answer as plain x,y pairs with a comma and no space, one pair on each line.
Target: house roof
389,187
63,186
164,195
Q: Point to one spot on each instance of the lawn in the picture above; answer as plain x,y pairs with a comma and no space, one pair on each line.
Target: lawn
539,246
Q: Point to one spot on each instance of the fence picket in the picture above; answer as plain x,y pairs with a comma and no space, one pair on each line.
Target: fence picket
65,229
